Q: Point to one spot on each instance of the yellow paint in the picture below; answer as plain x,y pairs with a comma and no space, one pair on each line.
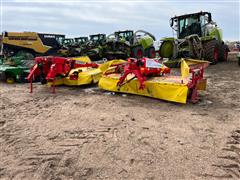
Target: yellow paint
84,59
154,87
31,41
85,76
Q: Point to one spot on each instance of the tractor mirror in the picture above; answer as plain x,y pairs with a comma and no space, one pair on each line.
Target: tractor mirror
171,22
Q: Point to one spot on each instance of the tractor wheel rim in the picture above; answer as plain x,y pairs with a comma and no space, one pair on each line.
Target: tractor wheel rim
139,53
215,54
153,54
10,80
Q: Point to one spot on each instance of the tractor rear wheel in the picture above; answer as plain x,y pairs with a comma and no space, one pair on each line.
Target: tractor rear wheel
223,52
137,52
211,51
150,52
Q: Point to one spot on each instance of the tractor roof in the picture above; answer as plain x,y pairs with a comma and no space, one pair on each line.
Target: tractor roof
124,31
97,35
83,37
189,15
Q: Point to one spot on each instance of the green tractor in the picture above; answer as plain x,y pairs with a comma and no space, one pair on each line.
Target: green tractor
197,37
123,44
73,45
16,68
79,41
94,47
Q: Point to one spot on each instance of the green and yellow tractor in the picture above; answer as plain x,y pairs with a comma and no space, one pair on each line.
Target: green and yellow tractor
93,47
197,36
123,44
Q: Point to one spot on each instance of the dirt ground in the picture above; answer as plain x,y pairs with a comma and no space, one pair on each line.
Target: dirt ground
86,133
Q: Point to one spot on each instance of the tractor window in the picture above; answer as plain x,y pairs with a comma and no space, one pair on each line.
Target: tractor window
188,26
94,38
49,40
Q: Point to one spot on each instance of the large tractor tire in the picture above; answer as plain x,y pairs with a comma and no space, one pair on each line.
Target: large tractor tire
150,52
166,49
223,52
137,52
211,51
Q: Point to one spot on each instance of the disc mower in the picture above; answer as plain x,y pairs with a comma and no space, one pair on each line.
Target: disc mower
197,36
148,77
60,70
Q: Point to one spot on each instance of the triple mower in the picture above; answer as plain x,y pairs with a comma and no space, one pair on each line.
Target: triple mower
197,36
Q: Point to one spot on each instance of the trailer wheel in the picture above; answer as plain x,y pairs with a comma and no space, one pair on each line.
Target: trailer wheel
211,51
150,52
137,52
223,53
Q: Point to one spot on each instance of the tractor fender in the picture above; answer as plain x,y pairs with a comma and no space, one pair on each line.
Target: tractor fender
216,33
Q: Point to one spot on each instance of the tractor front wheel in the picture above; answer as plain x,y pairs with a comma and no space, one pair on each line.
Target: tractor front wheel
211,51
223,53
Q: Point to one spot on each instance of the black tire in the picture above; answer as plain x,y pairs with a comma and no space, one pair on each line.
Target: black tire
211,51
150,52
137,52
223,52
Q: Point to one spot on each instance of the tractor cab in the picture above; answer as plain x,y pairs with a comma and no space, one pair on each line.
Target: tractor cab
124,35
80,40
98,39
190,24
68,41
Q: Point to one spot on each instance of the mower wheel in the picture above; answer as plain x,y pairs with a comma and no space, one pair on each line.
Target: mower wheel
150,52
211,51
223,52
137,52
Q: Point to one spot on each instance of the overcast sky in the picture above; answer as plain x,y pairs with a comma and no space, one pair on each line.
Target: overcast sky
84,17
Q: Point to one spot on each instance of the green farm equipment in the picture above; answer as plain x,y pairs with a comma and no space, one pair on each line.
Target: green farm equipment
74,45
16,68
94,47
79,41
197,36
123,44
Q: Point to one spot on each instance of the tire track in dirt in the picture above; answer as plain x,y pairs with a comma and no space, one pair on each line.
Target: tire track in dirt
229,160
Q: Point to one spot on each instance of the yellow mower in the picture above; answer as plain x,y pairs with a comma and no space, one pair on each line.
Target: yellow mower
148,77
